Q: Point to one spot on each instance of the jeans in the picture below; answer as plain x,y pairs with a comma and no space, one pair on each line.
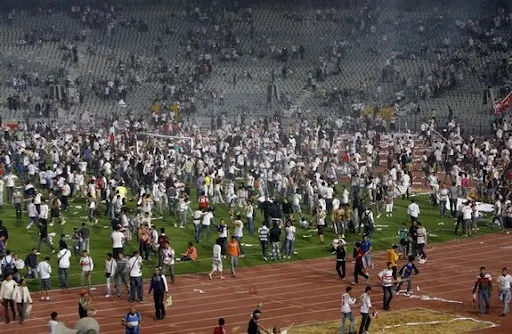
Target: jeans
483,301
170,268
120,280
387,297
442,208
136,288
22,310
86,276
264,247
276,253
250,225
208,232
63,277
344,317
367,260
239,239
234,264
409,284
289,247
183,218
84,245
158,298
365,323
505,299
197,232
6,303
342,265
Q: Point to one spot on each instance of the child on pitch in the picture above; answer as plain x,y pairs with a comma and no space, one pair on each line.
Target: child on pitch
406,273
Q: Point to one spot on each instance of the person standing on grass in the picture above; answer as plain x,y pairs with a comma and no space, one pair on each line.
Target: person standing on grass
117,238
402,233
504,281
413,210
135,270
386,277
6,297
341,258
110,270
131,321
159,288
239,233
45,269
22,298
406,273
87,266
216,260
484,286
63,262
365,308
234,253
222,230
43,237
32,214
84,234
289,231
393,256
359,265
347,301
275,236
168,261
263,234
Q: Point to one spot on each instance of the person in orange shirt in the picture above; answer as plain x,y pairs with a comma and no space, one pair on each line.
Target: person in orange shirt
190,254
393,256
234,253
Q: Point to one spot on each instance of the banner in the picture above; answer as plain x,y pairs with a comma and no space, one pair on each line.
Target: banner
503,105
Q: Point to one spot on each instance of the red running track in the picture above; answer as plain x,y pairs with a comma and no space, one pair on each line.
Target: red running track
296,292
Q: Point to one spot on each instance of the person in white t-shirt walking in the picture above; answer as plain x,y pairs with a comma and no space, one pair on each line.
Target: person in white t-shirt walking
117,242
87,266
364,309
421,242
289,231
386,277
216,260
45,269
413,210
239,233
135,270
504,281
347,301
63,261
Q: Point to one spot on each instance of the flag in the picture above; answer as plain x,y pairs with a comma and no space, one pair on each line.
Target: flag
503,105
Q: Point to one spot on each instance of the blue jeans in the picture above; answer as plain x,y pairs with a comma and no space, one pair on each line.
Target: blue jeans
250,225
442,208
483,301
505,299
289,247
136,288
239,239
344,317
197,232
207,228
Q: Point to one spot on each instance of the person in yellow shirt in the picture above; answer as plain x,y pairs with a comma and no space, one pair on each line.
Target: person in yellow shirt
393,256
122,191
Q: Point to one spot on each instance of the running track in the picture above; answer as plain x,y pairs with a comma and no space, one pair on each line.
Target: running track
294,292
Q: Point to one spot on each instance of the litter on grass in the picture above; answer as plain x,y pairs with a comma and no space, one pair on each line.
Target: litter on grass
78,207
306,235
248,245
383,226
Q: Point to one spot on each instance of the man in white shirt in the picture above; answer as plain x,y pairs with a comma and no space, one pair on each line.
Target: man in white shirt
110,270
413,210
504,282
364,309
63,261
169,255
216,260
206,224
263,234
117,242
386,277
346,311
421,241
135,270
45,269
87,266
6,296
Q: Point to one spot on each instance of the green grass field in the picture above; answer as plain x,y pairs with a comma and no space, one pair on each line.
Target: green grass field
21,242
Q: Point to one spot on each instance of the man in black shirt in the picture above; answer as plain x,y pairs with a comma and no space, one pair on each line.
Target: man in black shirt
254,324
274,236
159,288
43,237
341,257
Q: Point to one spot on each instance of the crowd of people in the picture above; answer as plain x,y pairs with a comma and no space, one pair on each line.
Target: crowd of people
289,174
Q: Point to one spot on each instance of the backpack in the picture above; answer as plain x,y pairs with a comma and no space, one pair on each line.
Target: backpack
9,268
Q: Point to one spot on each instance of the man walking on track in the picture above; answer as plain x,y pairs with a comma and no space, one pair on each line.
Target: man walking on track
386,277
234,253
504,282
341,258
365,308
159,287
216,260
484,285
406,273
358,266
346,311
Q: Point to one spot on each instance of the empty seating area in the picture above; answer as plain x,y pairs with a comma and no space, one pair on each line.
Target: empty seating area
322,57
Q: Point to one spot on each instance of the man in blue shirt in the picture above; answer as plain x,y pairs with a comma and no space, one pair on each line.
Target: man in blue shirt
366,247
131,321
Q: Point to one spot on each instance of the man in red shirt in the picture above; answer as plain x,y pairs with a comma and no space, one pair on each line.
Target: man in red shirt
203,201
220,328
359,266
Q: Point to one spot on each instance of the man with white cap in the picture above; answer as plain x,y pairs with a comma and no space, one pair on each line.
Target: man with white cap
341,257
